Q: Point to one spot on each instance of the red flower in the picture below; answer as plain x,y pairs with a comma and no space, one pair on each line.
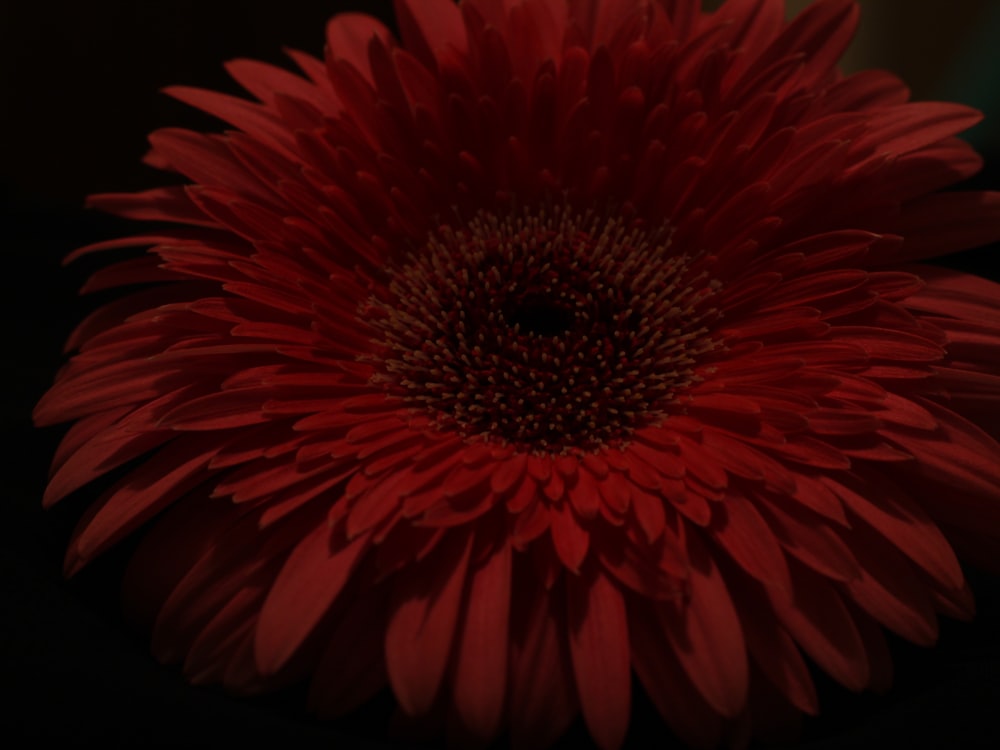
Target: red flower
557,340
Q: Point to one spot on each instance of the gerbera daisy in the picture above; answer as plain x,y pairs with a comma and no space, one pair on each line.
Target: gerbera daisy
545,343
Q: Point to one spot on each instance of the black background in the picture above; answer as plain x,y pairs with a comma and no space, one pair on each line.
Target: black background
79,93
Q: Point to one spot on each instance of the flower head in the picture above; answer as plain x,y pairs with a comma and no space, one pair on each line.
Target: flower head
552,341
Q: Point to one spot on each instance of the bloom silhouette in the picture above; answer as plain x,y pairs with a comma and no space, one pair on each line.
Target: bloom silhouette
553,341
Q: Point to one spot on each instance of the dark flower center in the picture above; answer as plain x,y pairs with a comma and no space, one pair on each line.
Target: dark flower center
555,331
541,317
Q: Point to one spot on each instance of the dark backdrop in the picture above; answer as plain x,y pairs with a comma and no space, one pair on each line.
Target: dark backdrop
78,93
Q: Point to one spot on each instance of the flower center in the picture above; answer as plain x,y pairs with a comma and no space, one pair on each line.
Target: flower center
552,330
540,317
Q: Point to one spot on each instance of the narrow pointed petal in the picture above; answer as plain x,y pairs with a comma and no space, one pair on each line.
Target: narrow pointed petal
816,617
419,639
430,28
308,585
541,695
481,660
705,633
352,668
598,637
656,665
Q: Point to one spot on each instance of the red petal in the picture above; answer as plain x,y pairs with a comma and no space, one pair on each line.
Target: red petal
955,294
778,656
172,204
542,703
121,383
889,590
598,638
616,491
219,411
168,475
959,454
508,473
656,665
742,533
240,676
704,631
351,669
424,611
431,28
811,540
867,90
877,651
891,345
822,31
816,617
481,666
310,581
904,525
348,36
774,651
531,522
233,554
102,446
649,512
911,127
180,537
701,463
266,82
819,498
207,652
206,161
960,603
249,117
584,495
569,537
